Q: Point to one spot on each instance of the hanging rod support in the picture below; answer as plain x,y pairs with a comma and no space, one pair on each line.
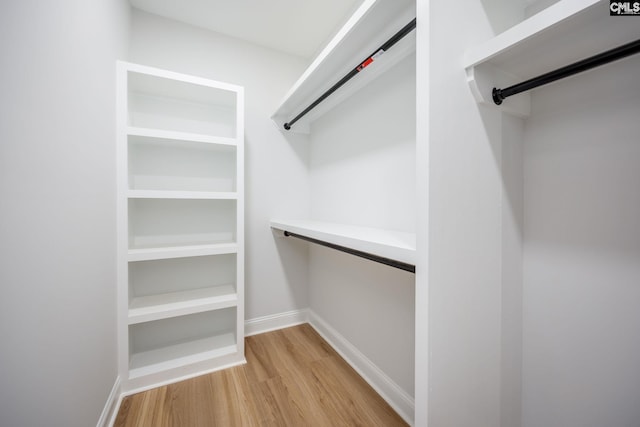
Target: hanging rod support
586,64
361,66
371,257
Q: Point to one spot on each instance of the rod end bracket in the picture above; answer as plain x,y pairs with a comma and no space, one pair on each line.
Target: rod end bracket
287,126
496,94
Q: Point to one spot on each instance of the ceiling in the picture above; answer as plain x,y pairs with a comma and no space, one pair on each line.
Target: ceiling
297,27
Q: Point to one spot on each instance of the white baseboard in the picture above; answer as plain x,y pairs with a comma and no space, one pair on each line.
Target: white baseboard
138,387
110,411
397,398
260,325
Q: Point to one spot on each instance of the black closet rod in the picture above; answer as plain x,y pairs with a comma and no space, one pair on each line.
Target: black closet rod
390,262
382,49
586,64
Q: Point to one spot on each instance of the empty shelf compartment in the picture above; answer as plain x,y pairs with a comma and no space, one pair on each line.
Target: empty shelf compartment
162,103
172,287
164,223
172,343
173,165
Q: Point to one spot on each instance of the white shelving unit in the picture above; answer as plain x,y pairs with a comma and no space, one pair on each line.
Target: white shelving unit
565,32
180,225
370,26
394,245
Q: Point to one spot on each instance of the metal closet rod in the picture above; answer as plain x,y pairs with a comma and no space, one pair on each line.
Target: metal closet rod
382,260
586,64
382,49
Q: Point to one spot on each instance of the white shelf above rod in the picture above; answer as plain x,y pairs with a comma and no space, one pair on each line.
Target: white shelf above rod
371,257
360,67
392,248
603,58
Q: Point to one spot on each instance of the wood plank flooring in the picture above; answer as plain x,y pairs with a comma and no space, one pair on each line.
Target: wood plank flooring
292,378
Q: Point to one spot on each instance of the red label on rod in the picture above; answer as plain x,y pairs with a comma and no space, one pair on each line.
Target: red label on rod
365,63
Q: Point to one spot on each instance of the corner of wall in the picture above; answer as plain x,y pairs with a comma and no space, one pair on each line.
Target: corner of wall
391,392
260,325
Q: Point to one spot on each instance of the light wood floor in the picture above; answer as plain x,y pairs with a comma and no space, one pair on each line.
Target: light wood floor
292,378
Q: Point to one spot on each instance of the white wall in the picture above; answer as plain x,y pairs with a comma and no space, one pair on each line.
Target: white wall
362,155
582,251
276,168
512,286
57,226
535,6
472,352
362,170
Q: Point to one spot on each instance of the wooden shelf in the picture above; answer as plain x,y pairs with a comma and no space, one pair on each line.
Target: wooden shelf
565,32
395,245
198,195
174,356
148,254
163,306
180,136
369,27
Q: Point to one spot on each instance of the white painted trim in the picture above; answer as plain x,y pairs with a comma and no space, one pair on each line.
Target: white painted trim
260,325
172,75
178,379
395,396
110,410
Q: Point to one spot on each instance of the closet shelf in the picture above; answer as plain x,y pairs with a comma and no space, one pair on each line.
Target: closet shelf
163,306
158,194
180,136
566,32
394,245
175,356
374,22
165,84
148,254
